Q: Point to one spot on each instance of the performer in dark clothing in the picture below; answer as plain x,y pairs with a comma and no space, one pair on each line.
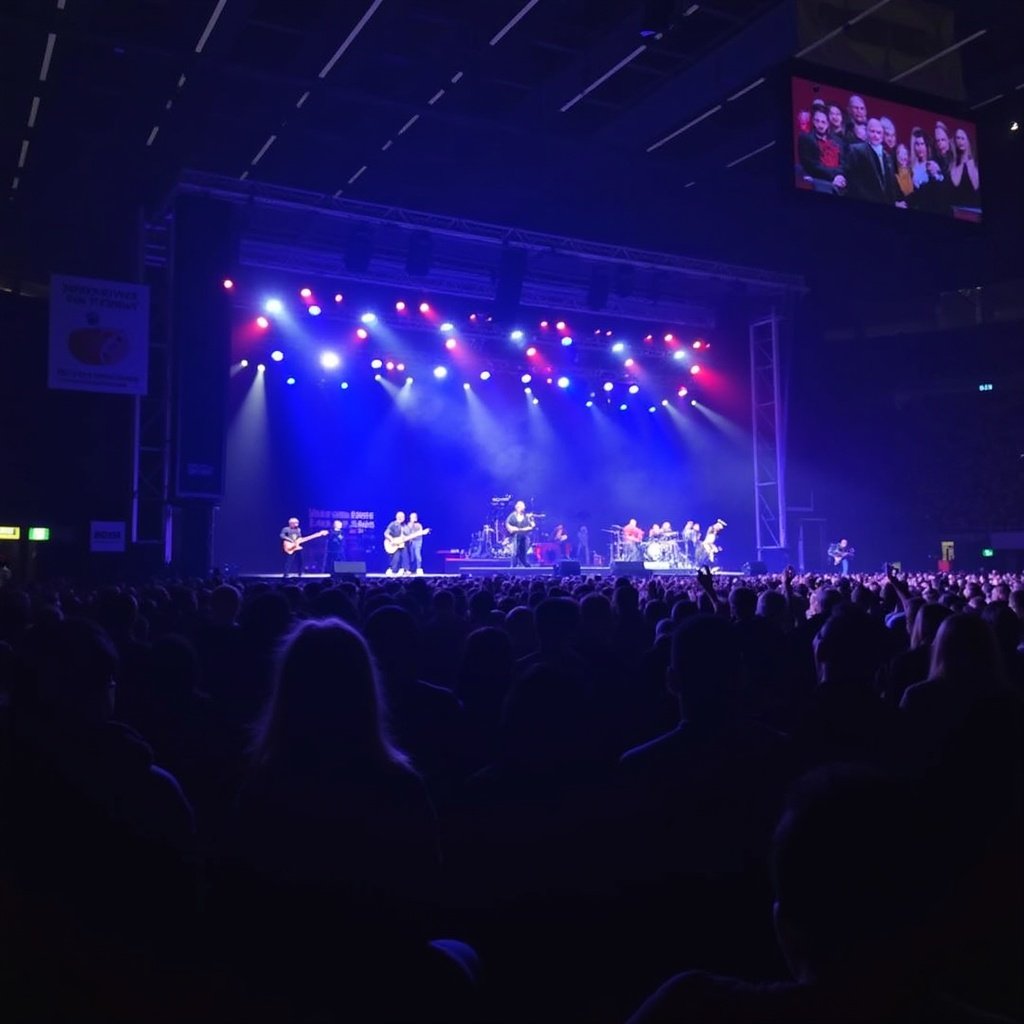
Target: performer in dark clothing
841,553
290,536
519,523
821,155
870,174
335,551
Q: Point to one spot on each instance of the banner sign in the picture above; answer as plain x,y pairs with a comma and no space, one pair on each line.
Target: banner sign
107,536
99,335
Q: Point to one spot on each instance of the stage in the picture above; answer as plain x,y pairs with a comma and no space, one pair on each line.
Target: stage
461,568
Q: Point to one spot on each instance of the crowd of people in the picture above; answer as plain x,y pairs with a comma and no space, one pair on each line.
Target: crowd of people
847,152
776,798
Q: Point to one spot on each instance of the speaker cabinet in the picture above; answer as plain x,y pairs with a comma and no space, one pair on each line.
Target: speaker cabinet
349,569
567,567
629,569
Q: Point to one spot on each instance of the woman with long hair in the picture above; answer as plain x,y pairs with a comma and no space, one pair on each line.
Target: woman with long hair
920,154
943,147
963,172
332,858
904,178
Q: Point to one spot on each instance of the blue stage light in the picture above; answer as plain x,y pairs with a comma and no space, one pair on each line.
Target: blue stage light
440,372
369,318
273,306
516,335
485,374
290,380
567,341
330,360
526,378
619,346
563,382
277,355
608,385
315,310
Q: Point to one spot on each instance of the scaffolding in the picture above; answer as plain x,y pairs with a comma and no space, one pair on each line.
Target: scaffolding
768,432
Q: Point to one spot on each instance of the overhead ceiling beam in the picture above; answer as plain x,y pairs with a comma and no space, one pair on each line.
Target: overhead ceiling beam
760,45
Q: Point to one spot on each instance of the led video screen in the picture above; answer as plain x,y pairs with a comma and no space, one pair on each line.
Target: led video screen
856,146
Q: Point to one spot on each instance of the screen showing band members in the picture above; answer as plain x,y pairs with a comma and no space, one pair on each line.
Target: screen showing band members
857,146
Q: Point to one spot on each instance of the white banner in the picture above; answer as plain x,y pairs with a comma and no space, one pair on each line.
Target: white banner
107,536
99,335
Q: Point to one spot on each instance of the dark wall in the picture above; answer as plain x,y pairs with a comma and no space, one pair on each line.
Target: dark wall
65,456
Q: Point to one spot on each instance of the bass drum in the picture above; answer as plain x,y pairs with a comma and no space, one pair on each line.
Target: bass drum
655,551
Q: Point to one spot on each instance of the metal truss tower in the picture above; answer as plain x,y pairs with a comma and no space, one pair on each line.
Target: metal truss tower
768,430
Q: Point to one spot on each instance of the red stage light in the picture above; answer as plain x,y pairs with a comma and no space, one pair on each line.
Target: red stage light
450,343
698,343
400,306
362,334
560,326
262,322
682,392
228,283
531,351
544,323
670,338
306,293
338,297
424,307
695,369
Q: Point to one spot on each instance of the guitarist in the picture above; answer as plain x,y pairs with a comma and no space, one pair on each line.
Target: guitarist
397,529
519,524
293,561
840,552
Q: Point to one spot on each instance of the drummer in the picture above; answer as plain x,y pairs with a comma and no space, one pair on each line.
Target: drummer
632,537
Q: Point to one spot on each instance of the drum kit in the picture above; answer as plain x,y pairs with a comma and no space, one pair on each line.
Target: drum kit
667,549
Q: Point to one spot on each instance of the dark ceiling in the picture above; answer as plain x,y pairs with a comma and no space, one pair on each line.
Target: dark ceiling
453,106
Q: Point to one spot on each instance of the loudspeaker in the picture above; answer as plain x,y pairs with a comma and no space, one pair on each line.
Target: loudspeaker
508,285
349,569
597,292
625,279
204,244
629,569
421,254
567,567
359,249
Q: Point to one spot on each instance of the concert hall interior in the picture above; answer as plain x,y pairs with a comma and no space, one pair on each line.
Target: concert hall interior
511,511
693,189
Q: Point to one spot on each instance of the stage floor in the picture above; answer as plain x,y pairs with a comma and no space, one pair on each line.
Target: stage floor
480,568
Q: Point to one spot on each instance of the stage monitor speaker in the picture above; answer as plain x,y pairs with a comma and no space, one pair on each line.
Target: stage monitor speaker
755,568
629,569
349,569
567,567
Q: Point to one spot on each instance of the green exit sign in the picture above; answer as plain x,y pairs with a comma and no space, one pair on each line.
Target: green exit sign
988,553
38,533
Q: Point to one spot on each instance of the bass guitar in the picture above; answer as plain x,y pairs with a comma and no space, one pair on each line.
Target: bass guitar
393,544
291,546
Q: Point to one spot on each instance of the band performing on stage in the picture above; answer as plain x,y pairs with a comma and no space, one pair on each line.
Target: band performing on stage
514,534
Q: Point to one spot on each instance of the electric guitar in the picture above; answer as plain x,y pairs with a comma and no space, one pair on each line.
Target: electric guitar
393,544
839,554
291,546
